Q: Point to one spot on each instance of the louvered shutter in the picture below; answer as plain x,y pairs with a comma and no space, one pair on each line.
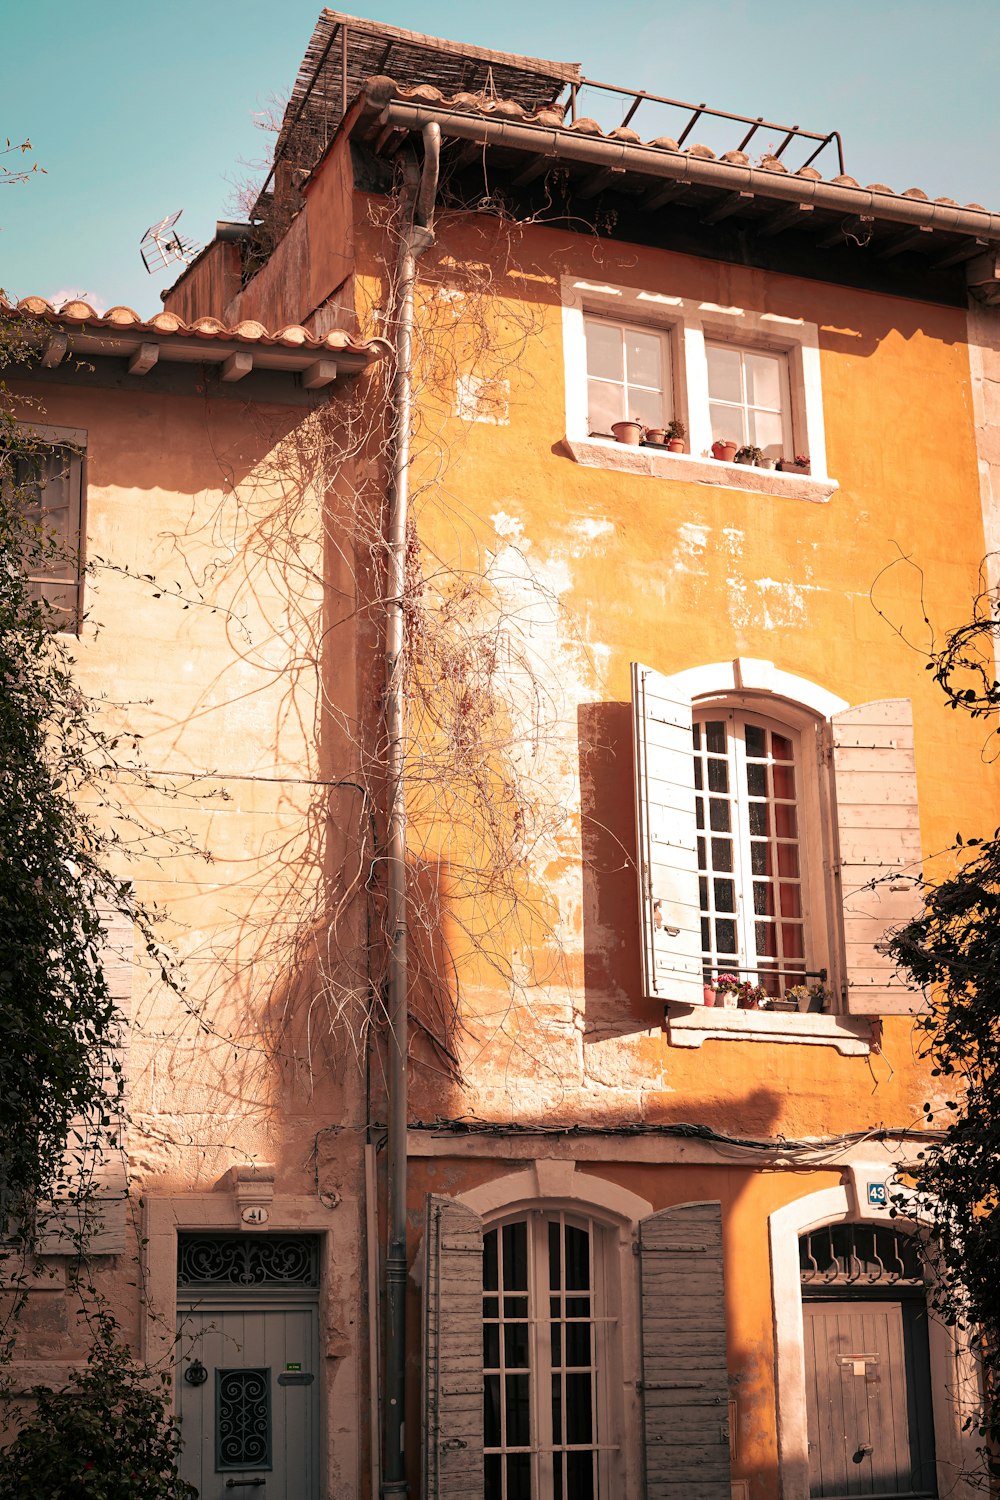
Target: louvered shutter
878,828
666,839
453,1351
101,1215
685,1384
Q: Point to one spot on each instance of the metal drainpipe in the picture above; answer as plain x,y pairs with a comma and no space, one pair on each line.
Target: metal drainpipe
415,239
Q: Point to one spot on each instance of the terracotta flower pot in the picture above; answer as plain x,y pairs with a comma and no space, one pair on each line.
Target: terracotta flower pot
675,445
657,436
709,994
724,452
629,433
788,467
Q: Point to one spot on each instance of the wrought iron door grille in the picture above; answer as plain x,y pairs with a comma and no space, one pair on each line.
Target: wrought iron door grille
242,1260
242,1419
860,1255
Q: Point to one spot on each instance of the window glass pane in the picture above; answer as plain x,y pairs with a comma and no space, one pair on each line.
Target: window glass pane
722,854
701,853
699,811
642,359
491,1411
781,748
763,898
755,741
645,407
791,940
580,1474
516,1393
577,1344
578,1307
791,899
763,377
555,1258
725,895
579,1409
515,1346
696,736
491,1307
719,811
557,1421
767,432
577,1259
492,1490
718,775
757,779
724,383
698,777
788,860
605,405
760,859
515,1257
767,940
728,424
784,781
725,936
515,1307
519,1476
491,1346
490,1261
758,819
604,350
715,737
706,934
784,820
703,893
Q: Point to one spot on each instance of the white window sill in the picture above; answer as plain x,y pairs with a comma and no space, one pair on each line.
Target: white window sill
604,453
690,1025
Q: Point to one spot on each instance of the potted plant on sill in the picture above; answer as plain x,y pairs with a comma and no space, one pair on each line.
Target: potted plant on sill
676,433
749,454
799,465
724,450
628,432
808,997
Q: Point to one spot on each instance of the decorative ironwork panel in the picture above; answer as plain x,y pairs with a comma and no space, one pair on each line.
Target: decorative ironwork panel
243,1419
241,1260
859,1255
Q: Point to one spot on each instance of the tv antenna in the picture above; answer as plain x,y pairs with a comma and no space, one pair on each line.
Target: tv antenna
161,244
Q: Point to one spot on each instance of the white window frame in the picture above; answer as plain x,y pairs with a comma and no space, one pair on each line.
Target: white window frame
666,387
744,407
815,860
605,1323
687,324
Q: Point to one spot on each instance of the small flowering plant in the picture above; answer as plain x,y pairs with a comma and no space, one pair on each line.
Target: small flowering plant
808,996
748,996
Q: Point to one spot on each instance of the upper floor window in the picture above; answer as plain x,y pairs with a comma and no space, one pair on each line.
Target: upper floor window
749,398
628,375
778,836
546,1325
749,867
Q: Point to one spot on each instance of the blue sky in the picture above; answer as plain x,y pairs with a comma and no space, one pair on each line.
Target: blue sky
136,109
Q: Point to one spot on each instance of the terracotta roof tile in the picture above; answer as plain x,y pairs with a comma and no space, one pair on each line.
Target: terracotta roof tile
166,324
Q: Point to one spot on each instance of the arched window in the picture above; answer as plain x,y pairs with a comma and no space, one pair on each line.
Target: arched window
548,1327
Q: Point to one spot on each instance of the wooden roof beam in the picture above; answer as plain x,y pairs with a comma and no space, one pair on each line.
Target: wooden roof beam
912,239
55,351
852,226
597,182
537,167
665,194
143,359
729,205
954,255
322,372
787,218
239,364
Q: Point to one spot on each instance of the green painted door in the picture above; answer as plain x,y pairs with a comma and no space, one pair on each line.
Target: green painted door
248,1399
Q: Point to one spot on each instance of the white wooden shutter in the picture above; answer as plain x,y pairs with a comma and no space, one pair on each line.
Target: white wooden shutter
685,1382
666,839
453,1351
878,828
100,1216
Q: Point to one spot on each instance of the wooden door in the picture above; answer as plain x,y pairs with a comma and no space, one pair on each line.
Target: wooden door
248,1400
868,1396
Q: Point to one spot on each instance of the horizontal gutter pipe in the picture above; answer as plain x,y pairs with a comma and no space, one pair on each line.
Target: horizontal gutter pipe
663,165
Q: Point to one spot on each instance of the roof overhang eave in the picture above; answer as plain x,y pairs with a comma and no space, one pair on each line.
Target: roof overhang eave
660,164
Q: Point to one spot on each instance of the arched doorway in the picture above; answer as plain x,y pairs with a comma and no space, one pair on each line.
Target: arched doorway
867,1363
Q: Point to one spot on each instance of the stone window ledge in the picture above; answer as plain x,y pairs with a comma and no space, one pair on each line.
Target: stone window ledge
690,1025
602,453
